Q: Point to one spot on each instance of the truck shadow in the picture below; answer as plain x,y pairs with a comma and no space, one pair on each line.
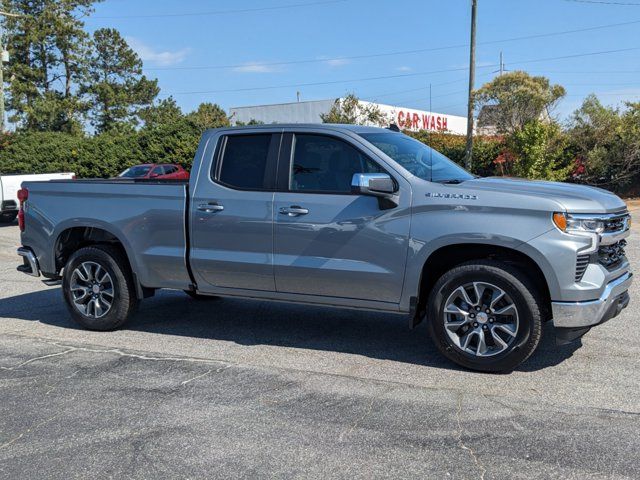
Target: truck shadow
251,322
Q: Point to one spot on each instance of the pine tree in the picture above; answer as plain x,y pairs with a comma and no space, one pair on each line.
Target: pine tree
48,47
115,82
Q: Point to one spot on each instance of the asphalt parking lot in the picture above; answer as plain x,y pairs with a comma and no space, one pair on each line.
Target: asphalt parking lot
247,389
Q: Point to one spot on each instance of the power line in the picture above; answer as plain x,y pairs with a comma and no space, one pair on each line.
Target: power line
332,82
404,75
222,12
396,53
577,55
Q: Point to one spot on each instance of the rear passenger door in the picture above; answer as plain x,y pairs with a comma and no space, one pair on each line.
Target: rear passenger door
231,214
328,241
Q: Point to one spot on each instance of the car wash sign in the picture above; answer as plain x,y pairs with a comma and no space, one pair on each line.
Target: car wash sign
415,120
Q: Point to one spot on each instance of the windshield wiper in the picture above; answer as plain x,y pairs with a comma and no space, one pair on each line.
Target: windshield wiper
450,181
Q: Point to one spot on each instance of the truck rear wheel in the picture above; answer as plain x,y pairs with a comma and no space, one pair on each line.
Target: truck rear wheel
98,288
485,316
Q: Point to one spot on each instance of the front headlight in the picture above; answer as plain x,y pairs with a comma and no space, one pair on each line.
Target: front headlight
578,223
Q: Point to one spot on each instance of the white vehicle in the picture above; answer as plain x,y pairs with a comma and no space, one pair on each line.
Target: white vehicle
9,186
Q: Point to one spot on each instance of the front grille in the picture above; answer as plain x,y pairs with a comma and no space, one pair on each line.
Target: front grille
581,266
611,256
617,223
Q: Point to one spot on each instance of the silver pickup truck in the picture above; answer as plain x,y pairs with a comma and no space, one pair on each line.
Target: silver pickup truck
347,216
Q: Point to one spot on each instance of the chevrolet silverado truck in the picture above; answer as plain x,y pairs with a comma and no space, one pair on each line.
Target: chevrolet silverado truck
344,216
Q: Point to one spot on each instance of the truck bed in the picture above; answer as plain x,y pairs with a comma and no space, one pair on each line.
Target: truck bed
149,217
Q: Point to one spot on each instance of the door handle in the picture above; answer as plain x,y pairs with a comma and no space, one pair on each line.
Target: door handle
210,207
294,211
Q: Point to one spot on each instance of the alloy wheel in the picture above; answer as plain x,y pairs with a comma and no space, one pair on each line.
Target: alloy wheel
481,319
92,290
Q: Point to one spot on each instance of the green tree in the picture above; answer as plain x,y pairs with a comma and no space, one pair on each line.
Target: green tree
351,110
167,135
539,152
48,48
116,85
517,98
607,144
208,115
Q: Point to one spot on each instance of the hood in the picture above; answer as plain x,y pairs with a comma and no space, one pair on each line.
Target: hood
574,198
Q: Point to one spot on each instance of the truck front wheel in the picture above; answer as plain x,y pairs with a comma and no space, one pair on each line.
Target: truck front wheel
485,316
98,288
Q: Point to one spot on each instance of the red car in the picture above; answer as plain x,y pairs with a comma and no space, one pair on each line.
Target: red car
167,171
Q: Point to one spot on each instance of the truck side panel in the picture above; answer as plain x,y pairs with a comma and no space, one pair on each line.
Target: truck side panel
147,218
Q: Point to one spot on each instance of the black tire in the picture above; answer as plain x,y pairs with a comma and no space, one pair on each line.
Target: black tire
199,296
124,302
523,295
8,217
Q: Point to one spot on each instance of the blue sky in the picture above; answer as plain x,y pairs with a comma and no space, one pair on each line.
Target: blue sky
299,45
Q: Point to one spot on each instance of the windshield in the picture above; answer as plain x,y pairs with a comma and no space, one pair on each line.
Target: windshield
136,172
419,159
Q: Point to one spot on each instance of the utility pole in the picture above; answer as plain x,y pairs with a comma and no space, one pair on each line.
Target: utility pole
501,64
472,80
4,58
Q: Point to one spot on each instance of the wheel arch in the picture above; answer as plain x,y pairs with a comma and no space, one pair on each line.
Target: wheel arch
449,256
74,237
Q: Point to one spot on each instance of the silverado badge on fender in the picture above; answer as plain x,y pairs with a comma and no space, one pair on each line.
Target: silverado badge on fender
457,196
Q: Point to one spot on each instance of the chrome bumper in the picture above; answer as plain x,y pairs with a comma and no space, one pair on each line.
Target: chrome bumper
30,265
586,314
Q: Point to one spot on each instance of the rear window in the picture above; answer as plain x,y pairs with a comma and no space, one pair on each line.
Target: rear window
243,163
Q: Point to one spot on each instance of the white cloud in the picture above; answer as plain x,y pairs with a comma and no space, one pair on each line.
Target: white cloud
334,62
337,62
404,68
155,57
254,67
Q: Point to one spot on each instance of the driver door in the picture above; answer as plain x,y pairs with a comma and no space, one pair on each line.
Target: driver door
328,241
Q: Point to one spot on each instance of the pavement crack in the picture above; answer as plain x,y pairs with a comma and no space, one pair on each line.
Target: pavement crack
137,356
463,445
31,428
42,357
196,377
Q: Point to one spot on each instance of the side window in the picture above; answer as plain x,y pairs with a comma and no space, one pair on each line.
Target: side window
244,161
325,164
169,169
157,171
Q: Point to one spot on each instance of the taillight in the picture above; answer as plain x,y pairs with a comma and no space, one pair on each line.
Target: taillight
23,196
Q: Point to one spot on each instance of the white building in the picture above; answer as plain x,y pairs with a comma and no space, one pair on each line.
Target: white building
309,112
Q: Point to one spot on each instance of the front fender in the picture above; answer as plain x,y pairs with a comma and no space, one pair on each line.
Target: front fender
437,226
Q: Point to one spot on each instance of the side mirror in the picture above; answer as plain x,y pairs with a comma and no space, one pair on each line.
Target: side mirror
154,175
374,184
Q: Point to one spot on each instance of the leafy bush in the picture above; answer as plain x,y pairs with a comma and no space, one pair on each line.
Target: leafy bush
168,136
538,151
485,149
606,143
